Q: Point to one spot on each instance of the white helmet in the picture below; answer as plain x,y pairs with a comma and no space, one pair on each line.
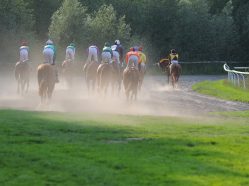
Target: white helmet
49,42
117,42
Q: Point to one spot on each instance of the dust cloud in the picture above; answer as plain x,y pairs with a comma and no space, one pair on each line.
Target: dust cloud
156,98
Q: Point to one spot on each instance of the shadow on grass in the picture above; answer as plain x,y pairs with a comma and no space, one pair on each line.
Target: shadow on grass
54,149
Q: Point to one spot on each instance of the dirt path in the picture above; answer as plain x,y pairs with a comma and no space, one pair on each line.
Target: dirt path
156,98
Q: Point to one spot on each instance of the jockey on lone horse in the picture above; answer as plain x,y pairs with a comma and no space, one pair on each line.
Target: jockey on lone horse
49,53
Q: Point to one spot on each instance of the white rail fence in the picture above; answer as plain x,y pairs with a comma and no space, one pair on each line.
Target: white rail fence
238,78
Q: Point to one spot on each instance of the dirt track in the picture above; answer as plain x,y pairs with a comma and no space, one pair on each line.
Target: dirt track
156,98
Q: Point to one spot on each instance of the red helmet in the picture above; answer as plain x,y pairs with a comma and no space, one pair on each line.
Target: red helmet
24,43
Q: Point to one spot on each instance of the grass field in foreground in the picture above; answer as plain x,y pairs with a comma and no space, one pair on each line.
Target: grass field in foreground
222,89
39,148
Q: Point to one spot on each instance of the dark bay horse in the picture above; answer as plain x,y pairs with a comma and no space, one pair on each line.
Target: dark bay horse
22,77
175,72
104,77
116,78
90,73
67,71
131,82
164,64
46,76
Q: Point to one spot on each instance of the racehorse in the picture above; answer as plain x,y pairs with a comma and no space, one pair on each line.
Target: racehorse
131,82
116,77
90,72
104,77
164,64
22,77
175,72
67,71
46,76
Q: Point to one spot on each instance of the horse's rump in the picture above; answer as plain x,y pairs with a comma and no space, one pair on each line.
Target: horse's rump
130,79
104,75
46,79
175,69
22,70
91,70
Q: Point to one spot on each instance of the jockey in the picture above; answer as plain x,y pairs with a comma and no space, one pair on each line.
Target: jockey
173,57
142,61
93,53
24,51
116,56
49,52
107,53
70,52
132,57
120,50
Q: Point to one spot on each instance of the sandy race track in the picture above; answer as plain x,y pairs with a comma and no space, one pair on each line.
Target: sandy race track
156,98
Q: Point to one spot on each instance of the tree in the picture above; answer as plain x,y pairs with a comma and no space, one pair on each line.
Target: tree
16,23
105,26
68,23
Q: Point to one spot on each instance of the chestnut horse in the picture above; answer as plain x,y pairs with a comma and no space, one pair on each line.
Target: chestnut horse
46,80
104,77
164,64
67,71
175,72
90,72
22,77
131,82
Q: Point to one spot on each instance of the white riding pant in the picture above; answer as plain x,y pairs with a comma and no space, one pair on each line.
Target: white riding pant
106,57
116,57
174,62
24,55
92,53
133,59
70,54
48,54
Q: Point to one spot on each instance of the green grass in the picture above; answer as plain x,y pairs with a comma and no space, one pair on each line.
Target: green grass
222,89
39,148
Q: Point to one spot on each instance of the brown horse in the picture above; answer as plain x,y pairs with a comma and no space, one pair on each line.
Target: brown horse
104,77
90,72
22,77
131,82
67,71
175,72
46,80
116,78
164,64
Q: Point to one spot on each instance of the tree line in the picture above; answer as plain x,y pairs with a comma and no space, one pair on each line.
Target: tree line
199,29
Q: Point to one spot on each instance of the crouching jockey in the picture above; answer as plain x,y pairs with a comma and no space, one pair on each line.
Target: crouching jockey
173,57
132,58
24,52
142,62
116,57
93,53
70,52
107,53
49,53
